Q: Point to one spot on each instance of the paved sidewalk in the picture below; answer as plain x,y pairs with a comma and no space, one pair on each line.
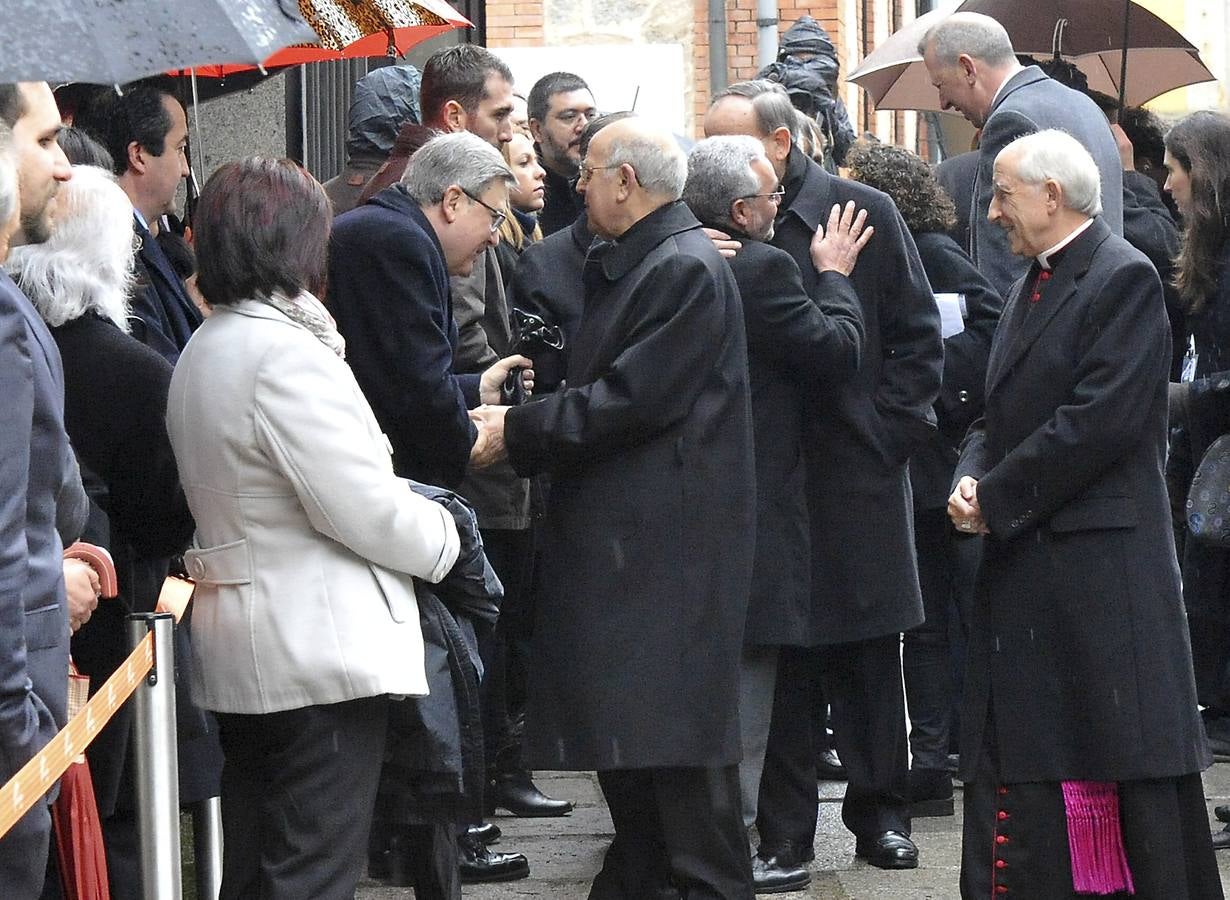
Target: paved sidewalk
565,853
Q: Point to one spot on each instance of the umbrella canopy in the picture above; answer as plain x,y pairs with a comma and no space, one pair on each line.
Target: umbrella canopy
115,41
1160,59
351,29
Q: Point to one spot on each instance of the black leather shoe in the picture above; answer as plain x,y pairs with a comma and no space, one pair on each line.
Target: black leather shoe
775,875
829,767
488,832
1221,839
477,863
930,793
517,793
890,850
1222,813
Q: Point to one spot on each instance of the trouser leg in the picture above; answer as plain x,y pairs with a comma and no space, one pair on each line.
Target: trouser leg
786,814
636,864
756,684
927,652
863,679
703,833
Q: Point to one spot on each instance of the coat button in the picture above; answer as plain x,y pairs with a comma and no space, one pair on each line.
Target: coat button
197,568
1001,864
1001,839
963,396
1002,815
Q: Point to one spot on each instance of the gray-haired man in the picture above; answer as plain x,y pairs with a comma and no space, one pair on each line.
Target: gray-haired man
796,348
973,67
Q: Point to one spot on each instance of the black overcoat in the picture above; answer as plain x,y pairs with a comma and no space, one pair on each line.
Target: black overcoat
648,537
950,270
795,346
864,573
389,292
1079,643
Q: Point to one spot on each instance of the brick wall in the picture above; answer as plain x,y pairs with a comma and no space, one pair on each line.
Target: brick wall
514,23
520,23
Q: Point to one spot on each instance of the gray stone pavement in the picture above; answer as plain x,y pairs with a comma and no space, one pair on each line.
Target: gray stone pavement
565,853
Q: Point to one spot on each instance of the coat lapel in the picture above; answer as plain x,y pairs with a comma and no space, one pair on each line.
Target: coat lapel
1066,279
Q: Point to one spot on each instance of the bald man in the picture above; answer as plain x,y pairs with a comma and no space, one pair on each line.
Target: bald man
648,541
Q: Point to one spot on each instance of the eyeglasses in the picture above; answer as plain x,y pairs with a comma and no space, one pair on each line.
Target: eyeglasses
775,196
587,171
497,217
570,116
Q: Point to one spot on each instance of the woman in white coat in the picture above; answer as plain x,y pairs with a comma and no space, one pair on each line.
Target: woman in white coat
304,620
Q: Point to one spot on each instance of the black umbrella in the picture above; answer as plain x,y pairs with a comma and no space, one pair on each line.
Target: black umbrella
116,41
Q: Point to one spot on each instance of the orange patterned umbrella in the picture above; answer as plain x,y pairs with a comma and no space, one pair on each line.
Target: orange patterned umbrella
350,29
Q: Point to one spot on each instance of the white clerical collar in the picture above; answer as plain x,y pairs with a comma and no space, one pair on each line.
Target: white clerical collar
140,218
1044,259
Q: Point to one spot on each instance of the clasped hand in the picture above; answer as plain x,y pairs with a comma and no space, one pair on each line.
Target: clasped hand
964,510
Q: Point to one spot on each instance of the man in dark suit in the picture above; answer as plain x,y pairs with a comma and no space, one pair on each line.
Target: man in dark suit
146,132
956,176
39,484
973,66
796,346
864,581
648,541
1079,718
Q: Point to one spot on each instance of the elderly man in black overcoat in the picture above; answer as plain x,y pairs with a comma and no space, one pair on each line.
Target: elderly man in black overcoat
796,346
1080,727
649,535
864,577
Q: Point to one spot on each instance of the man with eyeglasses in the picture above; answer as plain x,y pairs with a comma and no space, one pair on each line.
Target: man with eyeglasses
796,347
647,544
864,581
560,106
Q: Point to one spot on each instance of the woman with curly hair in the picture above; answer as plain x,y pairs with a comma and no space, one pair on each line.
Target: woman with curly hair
946,562
1198,162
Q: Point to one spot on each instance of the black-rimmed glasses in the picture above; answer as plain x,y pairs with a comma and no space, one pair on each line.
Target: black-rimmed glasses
775,196
497,217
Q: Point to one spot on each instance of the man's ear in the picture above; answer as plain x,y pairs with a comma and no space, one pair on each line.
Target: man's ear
454,118
1054,195
738,213
969,68
627,182
536,130
450,204
136,158
781,143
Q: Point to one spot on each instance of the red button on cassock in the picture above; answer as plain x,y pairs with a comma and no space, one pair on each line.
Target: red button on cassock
1001,888
1001,838
1002,815
1001,864
1003,791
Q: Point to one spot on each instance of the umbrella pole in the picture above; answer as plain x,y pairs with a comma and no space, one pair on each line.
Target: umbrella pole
1127,11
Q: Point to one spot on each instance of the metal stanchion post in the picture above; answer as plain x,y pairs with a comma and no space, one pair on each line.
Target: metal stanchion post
207,847
157,761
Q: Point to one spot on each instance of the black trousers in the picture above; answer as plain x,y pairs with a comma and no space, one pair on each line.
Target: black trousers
863,683
676,829
511,554
932,651
1015,839
298,788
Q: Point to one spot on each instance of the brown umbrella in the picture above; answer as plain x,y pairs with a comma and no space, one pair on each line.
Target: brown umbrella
1087,33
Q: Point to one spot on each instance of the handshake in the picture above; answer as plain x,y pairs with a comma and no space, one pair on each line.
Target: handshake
489,446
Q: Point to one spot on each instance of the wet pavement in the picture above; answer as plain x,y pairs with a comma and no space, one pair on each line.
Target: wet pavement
565,853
